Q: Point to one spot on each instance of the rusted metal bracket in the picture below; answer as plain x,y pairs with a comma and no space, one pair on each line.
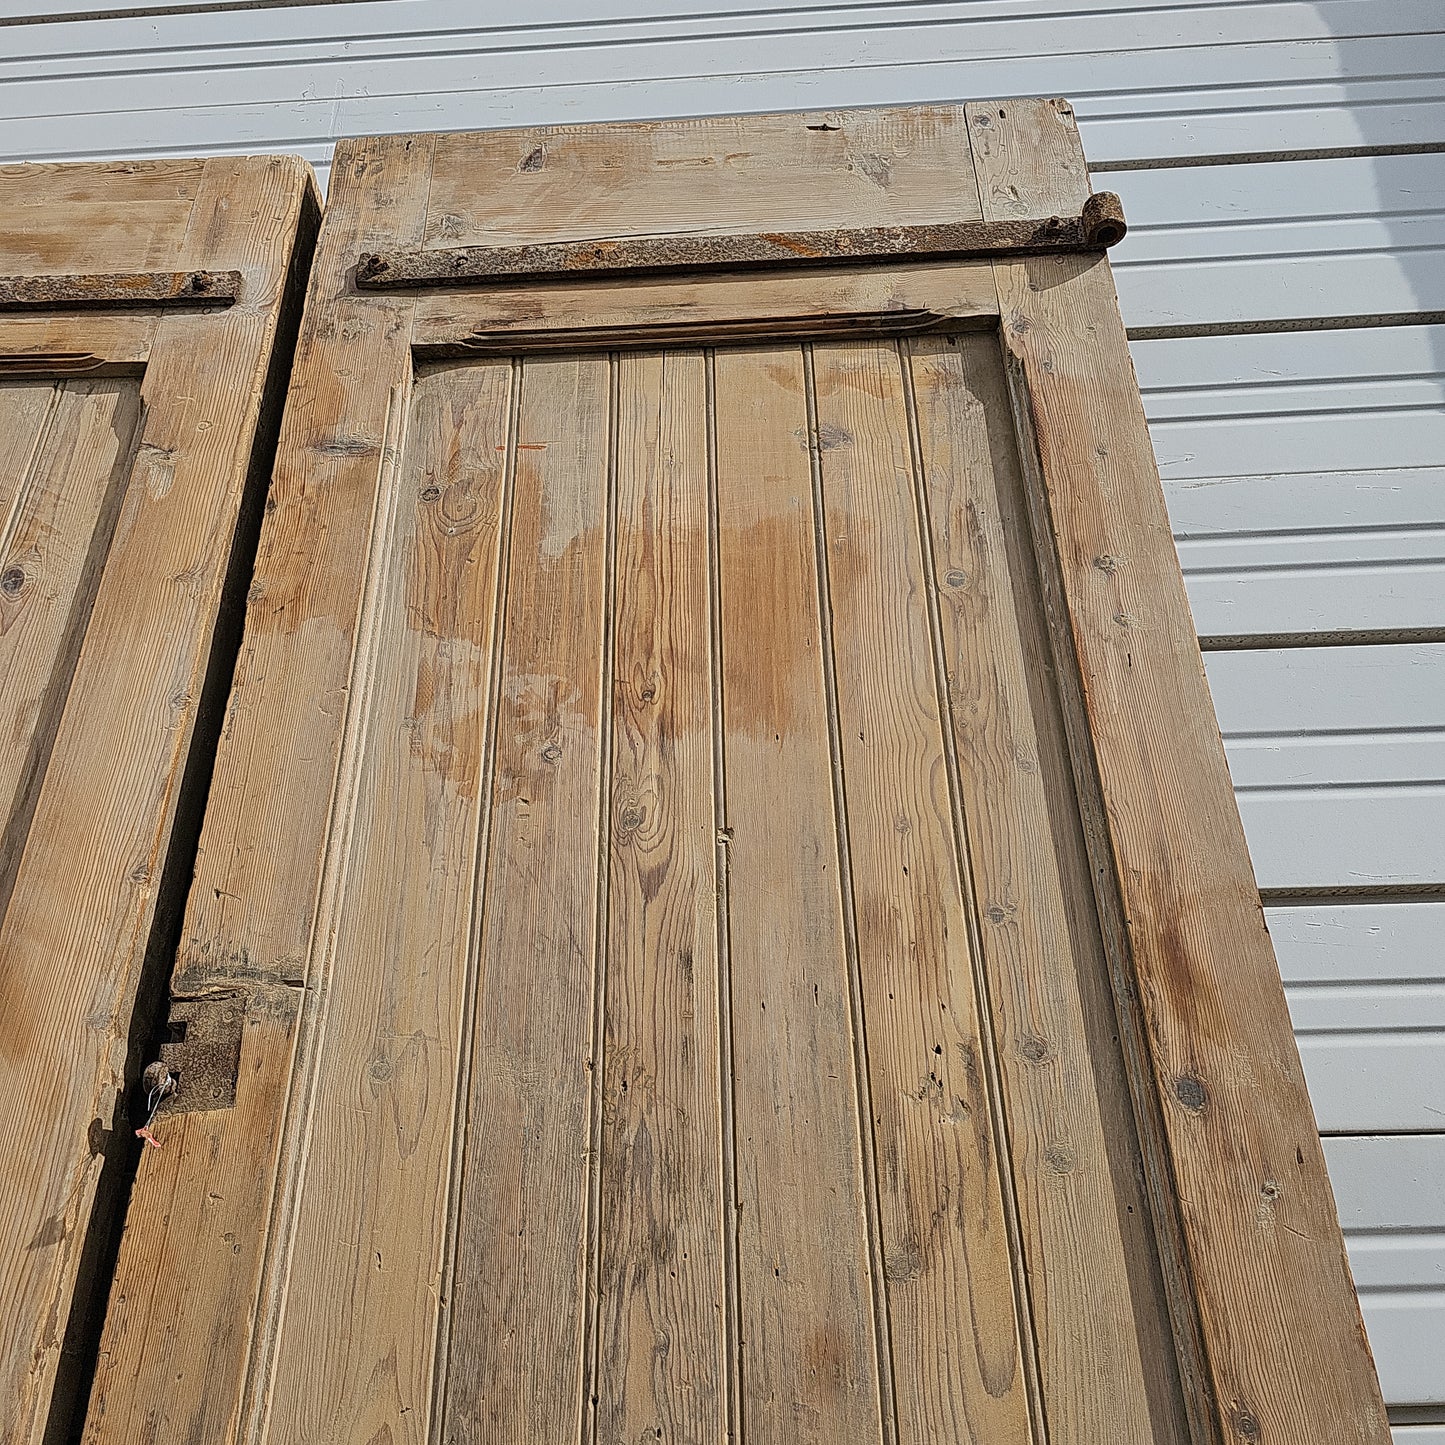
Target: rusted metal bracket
205,1057
1099,225
119,290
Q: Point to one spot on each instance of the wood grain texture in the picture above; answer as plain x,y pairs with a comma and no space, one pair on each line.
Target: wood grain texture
85,871
690,310
515,1363
714,175
618,1068
377,1105
808,1271
945,1235
1083,1215
660,1221
104,342
71,445
1283,1348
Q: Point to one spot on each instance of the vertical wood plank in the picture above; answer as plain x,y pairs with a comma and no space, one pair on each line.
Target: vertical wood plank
356,1363
1283,1349
517,1287
660,1359
806,1288
1083,1212
942,1165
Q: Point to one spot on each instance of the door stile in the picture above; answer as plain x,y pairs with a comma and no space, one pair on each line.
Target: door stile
1260,1284
184,1300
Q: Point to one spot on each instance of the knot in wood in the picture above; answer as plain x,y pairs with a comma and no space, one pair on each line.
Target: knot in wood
1190,1091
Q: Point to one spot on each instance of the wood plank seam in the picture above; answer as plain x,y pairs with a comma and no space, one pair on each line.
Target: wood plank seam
882,1331
461,1131
597,1051
727,1048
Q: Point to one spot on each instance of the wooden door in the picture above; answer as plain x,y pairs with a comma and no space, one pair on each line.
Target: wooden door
144,334
722,846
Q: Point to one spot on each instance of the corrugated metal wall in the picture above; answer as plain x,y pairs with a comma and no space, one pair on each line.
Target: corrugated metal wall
1283,167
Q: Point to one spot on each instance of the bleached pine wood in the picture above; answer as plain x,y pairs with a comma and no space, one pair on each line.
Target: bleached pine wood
177,1340
709,176
809,1282
618,1027
1082,1208
929,1053
705,309
126,512
1282,1347
663,1268
71,448
514,1368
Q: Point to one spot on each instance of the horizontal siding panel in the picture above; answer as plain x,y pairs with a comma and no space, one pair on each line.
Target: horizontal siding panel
1389,1194
1312,553
1193,80
1386,1083
1323,401
1303,474
1336,766
1321,18
881,32
1366,990
1356,943
1248,243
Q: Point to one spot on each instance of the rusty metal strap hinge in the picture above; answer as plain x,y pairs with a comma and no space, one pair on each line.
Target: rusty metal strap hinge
1099,225
119,290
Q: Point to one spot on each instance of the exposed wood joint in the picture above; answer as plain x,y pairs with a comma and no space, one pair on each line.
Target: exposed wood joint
119,290
1099,225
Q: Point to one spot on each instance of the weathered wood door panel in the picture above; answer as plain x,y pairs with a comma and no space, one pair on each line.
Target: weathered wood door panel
126,436
724,855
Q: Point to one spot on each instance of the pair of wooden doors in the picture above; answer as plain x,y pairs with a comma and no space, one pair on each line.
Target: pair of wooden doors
717,909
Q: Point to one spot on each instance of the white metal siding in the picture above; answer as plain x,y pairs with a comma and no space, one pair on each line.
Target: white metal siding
1258,147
